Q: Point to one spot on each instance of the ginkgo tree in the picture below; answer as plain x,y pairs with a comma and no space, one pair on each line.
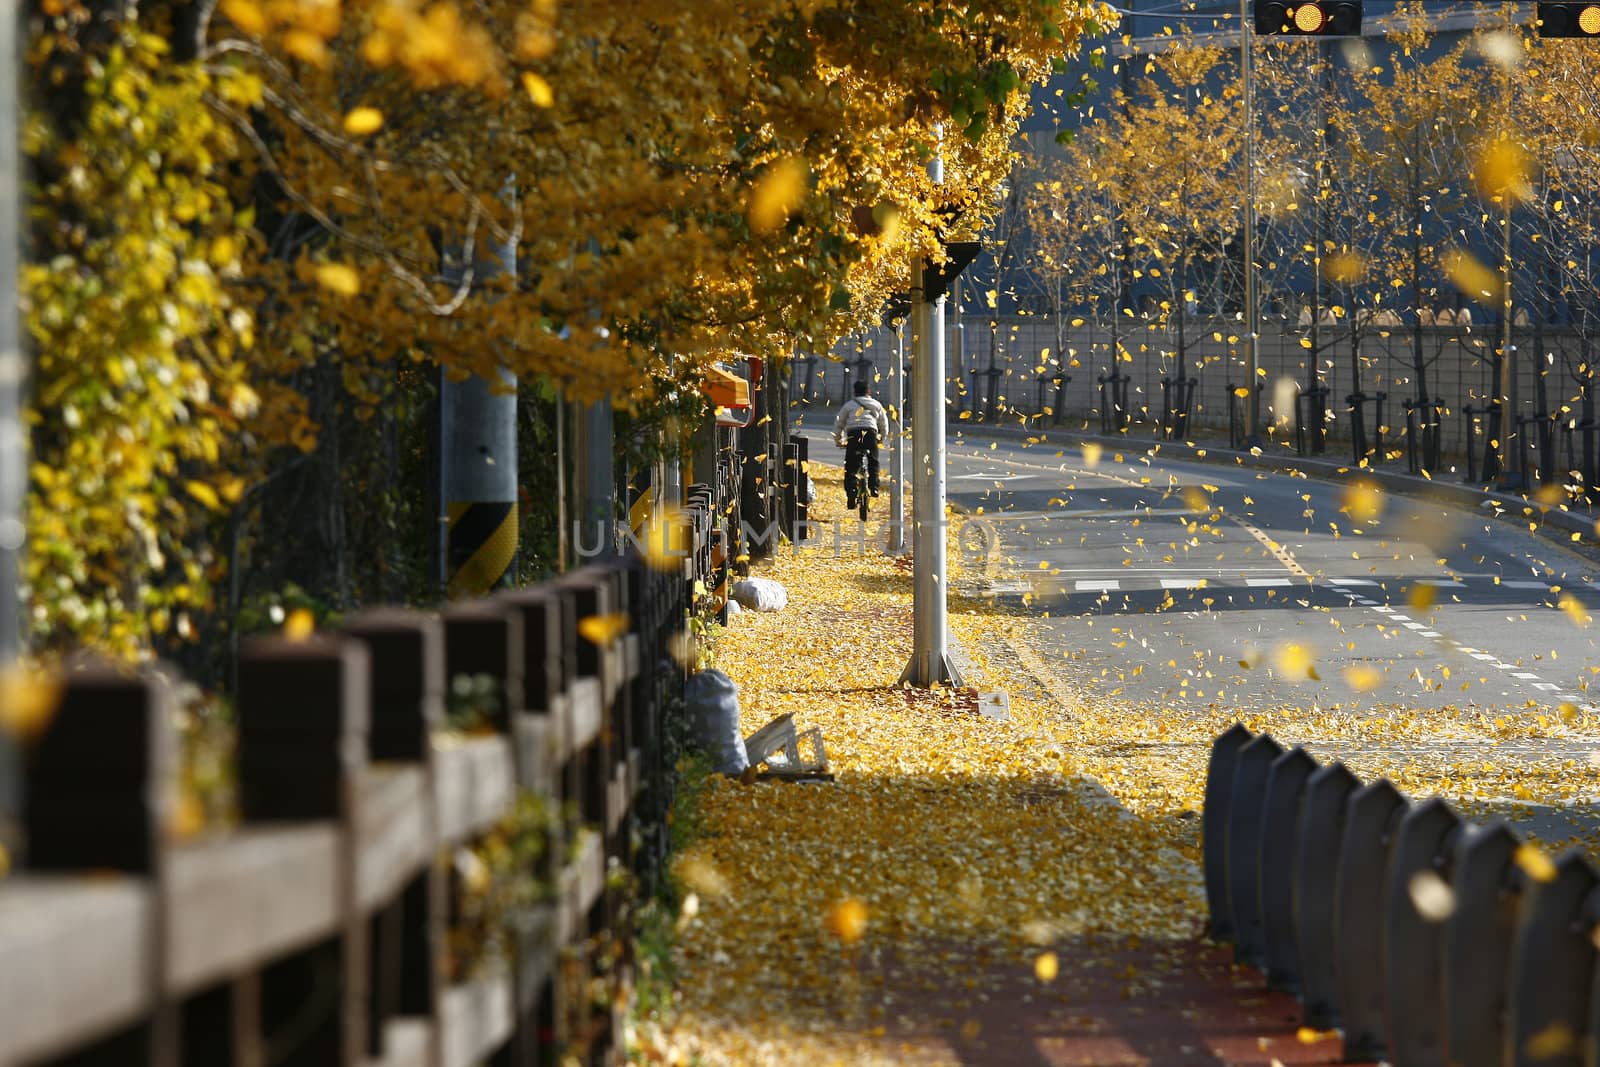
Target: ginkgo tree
681,182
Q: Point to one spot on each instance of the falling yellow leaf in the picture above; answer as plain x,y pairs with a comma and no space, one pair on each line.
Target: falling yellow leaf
847,920
1471,277
778,193
306,46
1574,609
538,90
603,629
247,16
1363,501
1362,678
340,278
1091,455
1432,896
1502,169
28,699
1046,967
363,120
1308,1036
299,625
188,816
665,539
1534,863
1294,662
1554,1040
1421,597
1344,268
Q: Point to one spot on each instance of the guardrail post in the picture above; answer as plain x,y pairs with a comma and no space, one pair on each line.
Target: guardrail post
1552,969
406,697
484,638
1318,843
1214,827
1246,811
1286,784
303,722
1370,822
1476,954
98,796
1413,938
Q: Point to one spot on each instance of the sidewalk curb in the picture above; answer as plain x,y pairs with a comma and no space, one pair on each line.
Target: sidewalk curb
1507,506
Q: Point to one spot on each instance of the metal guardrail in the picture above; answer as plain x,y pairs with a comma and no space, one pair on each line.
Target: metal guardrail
316,933
1427,940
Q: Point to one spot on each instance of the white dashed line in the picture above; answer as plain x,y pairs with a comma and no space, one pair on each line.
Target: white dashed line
1266,583
1416,626
1086,585
1524,585
1548,686
1487,657
1430,633
1182,583
1526,676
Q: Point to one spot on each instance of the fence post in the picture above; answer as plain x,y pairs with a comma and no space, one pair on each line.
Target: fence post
1412,939
1319,841
1552,969
482,638
1214,828
1476,954
1280,825
303,722
98,796
1245,815
406,699
1370,820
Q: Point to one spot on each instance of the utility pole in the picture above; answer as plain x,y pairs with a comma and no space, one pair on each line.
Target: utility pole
13,445
930,663
595,481
478,462
897,449
1252,323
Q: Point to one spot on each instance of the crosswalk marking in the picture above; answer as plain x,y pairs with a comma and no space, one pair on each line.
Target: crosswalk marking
1181,583
1266,583
1519,584
1351,581
1524,675
1092,585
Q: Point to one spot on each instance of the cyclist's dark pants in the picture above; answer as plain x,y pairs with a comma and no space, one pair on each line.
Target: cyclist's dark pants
859,445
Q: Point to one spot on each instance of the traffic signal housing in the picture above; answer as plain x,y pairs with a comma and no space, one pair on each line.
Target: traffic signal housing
1568,19
1311,18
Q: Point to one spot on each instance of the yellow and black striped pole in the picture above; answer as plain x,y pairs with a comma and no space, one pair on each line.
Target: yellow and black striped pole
478,462
483,543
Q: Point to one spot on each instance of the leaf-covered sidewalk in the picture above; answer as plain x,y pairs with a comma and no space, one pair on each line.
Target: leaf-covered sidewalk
960,894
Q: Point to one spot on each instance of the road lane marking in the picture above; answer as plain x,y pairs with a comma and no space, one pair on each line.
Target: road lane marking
1351,581
1266,583
1182,583
1086,585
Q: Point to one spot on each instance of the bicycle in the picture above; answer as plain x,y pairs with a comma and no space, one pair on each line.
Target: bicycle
857,485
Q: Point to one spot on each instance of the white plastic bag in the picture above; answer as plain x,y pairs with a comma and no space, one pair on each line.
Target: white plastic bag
761,594
713,704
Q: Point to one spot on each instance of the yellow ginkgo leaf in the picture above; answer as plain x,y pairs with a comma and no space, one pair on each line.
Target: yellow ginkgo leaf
603,629
1575,610
28,699
203,493
1046,967
300,624
847,920
1534,863
777,194
1363,501
1362,678
538,90
1091,455
339,278
1421,597
1471,277
1293,661
363,120
1502,169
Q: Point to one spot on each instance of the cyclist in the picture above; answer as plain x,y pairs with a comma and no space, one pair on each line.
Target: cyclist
860,425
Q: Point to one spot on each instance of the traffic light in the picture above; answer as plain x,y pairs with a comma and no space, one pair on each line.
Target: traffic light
1314,18
1568,20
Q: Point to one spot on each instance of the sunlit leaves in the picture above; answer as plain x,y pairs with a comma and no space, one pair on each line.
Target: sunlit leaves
299,625
28,699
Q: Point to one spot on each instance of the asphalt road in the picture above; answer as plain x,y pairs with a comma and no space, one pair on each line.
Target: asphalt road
1192,585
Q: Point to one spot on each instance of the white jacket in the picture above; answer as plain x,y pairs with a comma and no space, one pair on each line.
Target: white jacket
861,413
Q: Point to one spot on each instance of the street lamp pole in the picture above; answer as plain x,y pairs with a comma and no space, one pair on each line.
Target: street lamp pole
13,443
1252,324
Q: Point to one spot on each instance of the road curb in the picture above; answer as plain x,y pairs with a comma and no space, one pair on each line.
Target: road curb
1508,506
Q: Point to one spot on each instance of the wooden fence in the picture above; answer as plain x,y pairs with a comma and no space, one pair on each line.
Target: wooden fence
318,932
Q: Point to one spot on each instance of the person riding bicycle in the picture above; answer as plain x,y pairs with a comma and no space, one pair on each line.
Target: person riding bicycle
860,425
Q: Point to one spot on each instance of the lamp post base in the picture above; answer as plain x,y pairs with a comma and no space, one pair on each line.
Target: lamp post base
930,669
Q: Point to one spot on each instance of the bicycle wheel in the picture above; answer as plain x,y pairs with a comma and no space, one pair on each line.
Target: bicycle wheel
863,498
